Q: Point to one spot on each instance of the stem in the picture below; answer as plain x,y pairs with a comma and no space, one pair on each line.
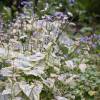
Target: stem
12,89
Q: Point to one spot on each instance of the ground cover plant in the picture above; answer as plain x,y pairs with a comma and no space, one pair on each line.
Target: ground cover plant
43,57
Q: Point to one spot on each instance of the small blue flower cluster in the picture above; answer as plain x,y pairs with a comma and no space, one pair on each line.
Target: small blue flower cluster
26,3
86,38
91,40
57,16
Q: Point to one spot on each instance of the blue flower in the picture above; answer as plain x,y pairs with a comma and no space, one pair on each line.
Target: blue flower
84,39
59,15
96,36
71,1
48,18
93,45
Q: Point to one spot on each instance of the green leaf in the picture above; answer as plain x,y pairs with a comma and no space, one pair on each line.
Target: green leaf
63,48
86,29
6,13
92,93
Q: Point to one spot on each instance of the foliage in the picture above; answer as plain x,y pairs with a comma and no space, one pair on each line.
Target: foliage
39,59
82,10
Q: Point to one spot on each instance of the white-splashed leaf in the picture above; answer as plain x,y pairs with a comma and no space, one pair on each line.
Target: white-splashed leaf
68,79
21,63
17,89
82,67
37,71
65,40
3,52
37,56
35,93
7,91
71,81
22,57
70,64
6,71
71,49
26,88
62,77
49,82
